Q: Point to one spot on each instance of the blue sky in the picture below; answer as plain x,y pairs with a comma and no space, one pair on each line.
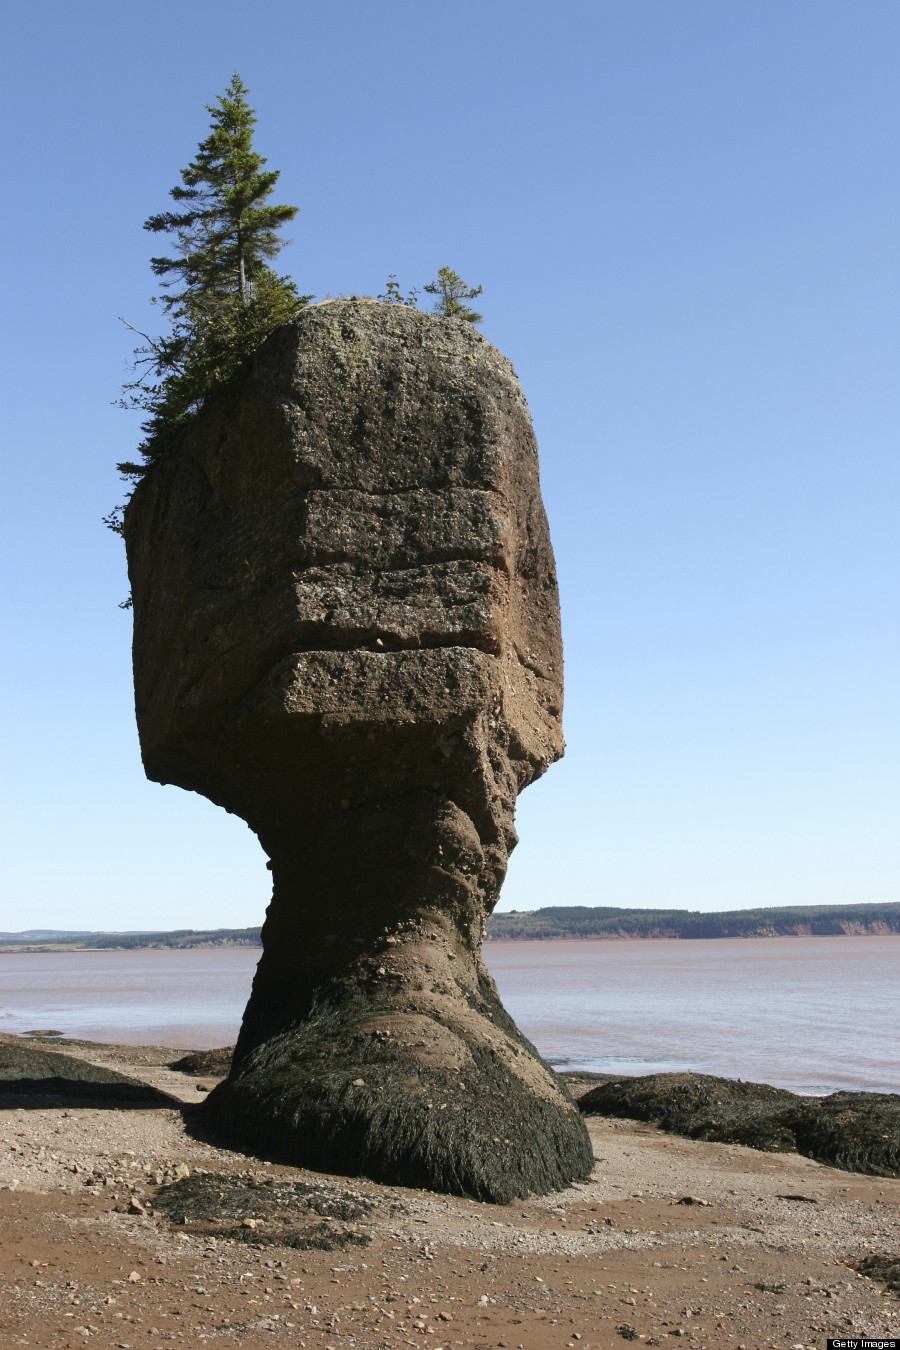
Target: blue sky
685,219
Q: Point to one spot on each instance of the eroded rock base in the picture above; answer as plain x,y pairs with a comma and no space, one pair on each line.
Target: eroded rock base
405,1086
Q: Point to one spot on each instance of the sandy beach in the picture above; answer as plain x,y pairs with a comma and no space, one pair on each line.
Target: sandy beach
670,1240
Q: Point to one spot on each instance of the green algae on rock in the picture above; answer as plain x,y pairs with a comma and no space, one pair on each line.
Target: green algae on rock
347,632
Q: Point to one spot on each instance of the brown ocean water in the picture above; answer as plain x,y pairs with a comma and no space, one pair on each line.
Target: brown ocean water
808,1013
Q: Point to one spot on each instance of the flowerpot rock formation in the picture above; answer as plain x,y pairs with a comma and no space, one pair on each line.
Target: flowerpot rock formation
347,633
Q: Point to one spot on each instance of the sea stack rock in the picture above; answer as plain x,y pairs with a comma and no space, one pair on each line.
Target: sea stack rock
347,632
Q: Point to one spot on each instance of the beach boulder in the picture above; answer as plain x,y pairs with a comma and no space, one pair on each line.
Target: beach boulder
27,1070
856,1131
347,633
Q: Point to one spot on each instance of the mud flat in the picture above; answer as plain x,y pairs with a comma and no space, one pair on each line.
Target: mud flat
120,1229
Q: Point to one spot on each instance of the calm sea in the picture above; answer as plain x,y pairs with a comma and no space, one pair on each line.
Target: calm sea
815,1014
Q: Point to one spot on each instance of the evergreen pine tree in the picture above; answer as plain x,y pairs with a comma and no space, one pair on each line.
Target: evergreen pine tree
451,290
222,297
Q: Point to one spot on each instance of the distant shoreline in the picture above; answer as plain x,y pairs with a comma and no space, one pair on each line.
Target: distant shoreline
580,923
687,937
615,924
490,940
157,943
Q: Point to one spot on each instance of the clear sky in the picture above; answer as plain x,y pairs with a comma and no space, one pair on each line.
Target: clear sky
685,219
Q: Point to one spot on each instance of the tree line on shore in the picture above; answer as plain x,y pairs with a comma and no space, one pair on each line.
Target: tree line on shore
180,938
584,921
551,922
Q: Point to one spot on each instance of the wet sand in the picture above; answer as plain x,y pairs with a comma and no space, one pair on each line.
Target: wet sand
86,1258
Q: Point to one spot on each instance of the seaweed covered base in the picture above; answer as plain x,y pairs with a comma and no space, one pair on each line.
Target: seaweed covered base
416,1083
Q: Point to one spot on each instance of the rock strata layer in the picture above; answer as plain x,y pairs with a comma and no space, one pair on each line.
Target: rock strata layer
347,632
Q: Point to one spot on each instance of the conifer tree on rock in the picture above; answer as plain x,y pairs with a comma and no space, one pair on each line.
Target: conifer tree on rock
451,291
222,296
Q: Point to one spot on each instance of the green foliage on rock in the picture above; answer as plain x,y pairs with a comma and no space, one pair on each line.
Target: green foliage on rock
393,295
222,296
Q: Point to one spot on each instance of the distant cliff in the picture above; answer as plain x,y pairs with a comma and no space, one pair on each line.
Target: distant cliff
583,921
